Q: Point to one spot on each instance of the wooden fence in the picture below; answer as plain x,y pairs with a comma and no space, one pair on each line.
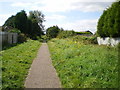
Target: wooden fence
8,38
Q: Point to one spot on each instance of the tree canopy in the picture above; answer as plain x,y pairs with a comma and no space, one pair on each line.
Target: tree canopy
35,20
52,32
31,25
109,22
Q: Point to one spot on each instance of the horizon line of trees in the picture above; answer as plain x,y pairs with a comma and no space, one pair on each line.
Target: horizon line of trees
55,31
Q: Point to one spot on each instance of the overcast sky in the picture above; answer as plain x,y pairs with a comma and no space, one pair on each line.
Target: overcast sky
78,15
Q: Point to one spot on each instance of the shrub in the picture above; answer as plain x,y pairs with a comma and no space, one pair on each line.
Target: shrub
52,32
14,30
109,22
65,34
22,38
84,33
85,39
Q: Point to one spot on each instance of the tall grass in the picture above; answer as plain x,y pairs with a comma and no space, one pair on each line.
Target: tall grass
16,62
84,66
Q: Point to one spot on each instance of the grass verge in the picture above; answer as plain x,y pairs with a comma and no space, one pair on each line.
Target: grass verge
84,66
16,62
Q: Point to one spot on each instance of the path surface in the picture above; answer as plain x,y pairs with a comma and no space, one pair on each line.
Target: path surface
42,74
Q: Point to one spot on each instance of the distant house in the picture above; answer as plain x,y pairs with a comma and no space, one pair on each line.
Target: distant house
84,33
7,28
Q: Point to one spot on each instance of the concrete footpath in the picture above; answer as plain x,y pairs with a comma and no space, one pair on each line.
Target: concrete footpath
42,74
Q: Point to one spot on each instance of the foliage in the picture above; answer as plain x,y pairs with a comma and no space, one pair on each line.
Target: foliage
109,22
85,39
84,66
52,32
22,38
84,33
10,22
14,30
30,25
21,21
65,34
36,18
16,62
45,38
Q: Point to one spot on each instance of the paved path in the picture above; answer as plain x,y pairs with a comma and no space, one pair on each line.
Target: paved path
42,74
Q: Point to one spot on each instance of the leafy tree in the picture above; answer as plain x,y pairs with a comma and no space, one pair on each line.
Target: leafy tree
52,32
21,21
109,22
117,21
101,24
10,21
29,25
36,18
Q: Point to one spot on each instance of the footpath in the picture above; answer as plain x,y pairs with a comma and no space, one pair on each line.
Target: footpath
42,74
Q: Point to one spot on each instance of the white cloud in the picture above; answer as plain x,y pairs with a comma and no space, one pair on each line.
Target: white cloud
63,5
55,17
21,4
56,0
79,25
3,18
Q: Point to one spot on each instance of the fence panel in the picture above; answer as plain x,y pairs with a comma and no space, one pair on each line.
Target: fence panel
6,37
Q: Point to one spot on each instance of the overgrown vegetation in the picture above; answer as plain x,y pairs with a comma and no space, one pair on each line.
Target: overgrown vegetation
85,39
31,26
84,33
109,22
65,34
52,32
82,65
16,62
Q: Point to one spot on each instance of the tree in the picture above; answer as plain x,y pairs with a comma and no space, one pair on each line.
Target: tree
109,22
21,21
52,32
101,24
29,25
36,18
10,22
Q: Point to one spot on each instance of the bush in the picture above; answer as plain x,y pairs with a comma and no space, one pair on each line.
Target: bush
84,33
109,22
85,40
52,32
66,34
14,30
22,38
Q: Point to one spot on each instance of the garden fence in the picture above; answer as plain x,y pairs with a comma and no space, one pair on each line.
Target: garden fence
8,38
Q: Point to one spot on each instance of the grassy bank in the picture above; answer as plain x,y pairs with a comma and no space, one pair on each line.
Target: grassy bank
84,66
16,62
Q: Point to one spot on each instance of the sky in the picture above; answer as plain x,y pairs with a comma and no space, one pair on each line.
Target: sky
77,15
